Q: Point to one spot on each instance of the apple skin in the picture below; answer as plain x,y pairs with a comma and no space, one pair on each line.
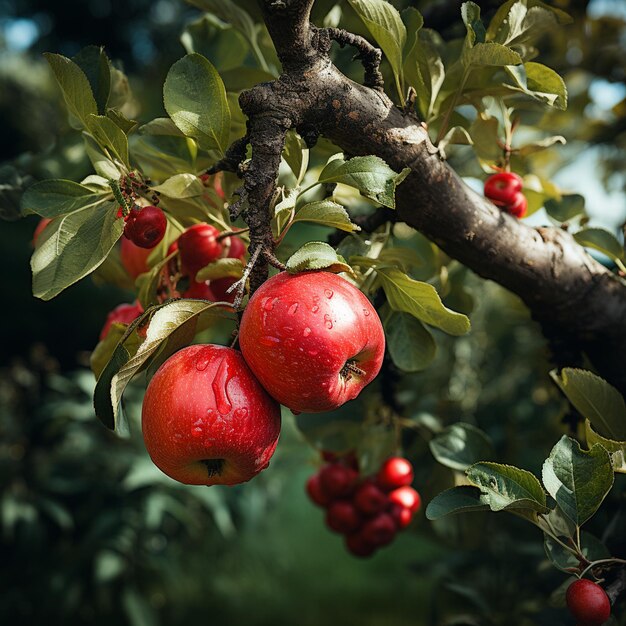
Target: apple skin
133,258
206,420
121,314
518,206
146,227
297,333
198,247
588,602
502,187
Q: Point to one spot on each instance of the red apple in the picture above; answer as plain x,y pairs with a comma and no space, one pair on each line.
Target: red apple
312,339
518,206
406,497
236,247
206,420
134,259
395,472
502,187
588,602
122,314
146,227
198,247
199,291
220,287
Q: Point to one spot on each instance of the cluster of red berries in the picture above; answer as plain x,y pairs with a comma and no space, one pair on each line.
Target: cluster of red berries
368,511
504,189
588,603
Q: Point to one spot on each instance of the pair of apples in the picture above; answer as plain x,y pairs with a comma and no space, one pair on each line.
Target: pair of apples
310,341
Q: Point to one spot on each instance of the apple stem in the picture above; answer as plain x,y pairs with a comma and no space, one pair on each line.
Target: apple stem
214,466
350,367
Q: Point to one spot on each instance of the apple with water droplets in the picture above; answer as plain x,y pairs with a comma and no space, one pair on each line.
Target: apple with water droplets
206,420
312,339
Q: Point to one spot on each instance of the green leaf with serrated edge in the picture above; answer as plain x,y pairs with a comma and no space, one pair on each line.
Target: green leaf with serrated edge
592,548
181,186
600,240
578,480
507,487
75,87
369,174
316,255
617,449
539,82
103,352
50,198
327,213
96,67
80,243
296,155
411,347
101,163
460,445
517,22
384,23
566,208
195,99
556,523
491,54
594,399
420,300
164,320
456,500
110,137
543,144
160,126
122,122
222,268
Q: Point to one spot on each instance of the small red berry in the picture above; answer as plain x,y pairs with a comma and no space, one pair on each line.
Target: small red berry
357,546
237,248
518,206
338,480
406,497
122,314
379,530
198,247
343,517
146,227
369,498
401,515
502,187
588,602
315,491
395,472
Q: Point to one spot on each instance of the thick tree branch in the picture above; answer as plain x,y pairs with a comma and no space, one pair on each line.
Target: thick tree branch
564,288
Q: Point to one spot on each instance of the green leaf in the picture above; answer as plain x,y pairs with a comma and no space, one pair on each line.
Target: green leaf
316,255
327,213
164,321
491,54
369,174
420,300
122,122
161,126
600,240
543,144
484,132
79,243
411,347
566,208
296,155
222,268
97,68
110,137
617,449
75,87
50,198
460,445
457,135
594,399
195,99
578,480
507,487
540,82
591,547
181,186
384,23
101,163
456,500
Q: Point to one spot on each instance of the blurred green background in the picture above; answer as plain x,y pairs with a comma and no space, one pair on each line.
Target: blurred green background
91,532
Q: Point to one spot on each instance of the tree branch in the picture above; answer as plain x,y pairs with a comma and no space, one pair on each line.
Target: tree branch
563,286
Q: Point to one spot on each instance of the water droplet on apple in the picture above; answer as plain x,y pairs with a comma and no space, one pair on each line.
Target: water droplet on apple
288,329
220,391
328,293
196,432
268,340
202,363
241,413
306,332
313,352
293,308
328,321
268,303
366,312
315,309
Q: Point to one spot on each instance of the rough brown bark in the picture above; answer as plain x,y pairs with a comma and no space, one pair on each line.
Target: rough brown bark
569,294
